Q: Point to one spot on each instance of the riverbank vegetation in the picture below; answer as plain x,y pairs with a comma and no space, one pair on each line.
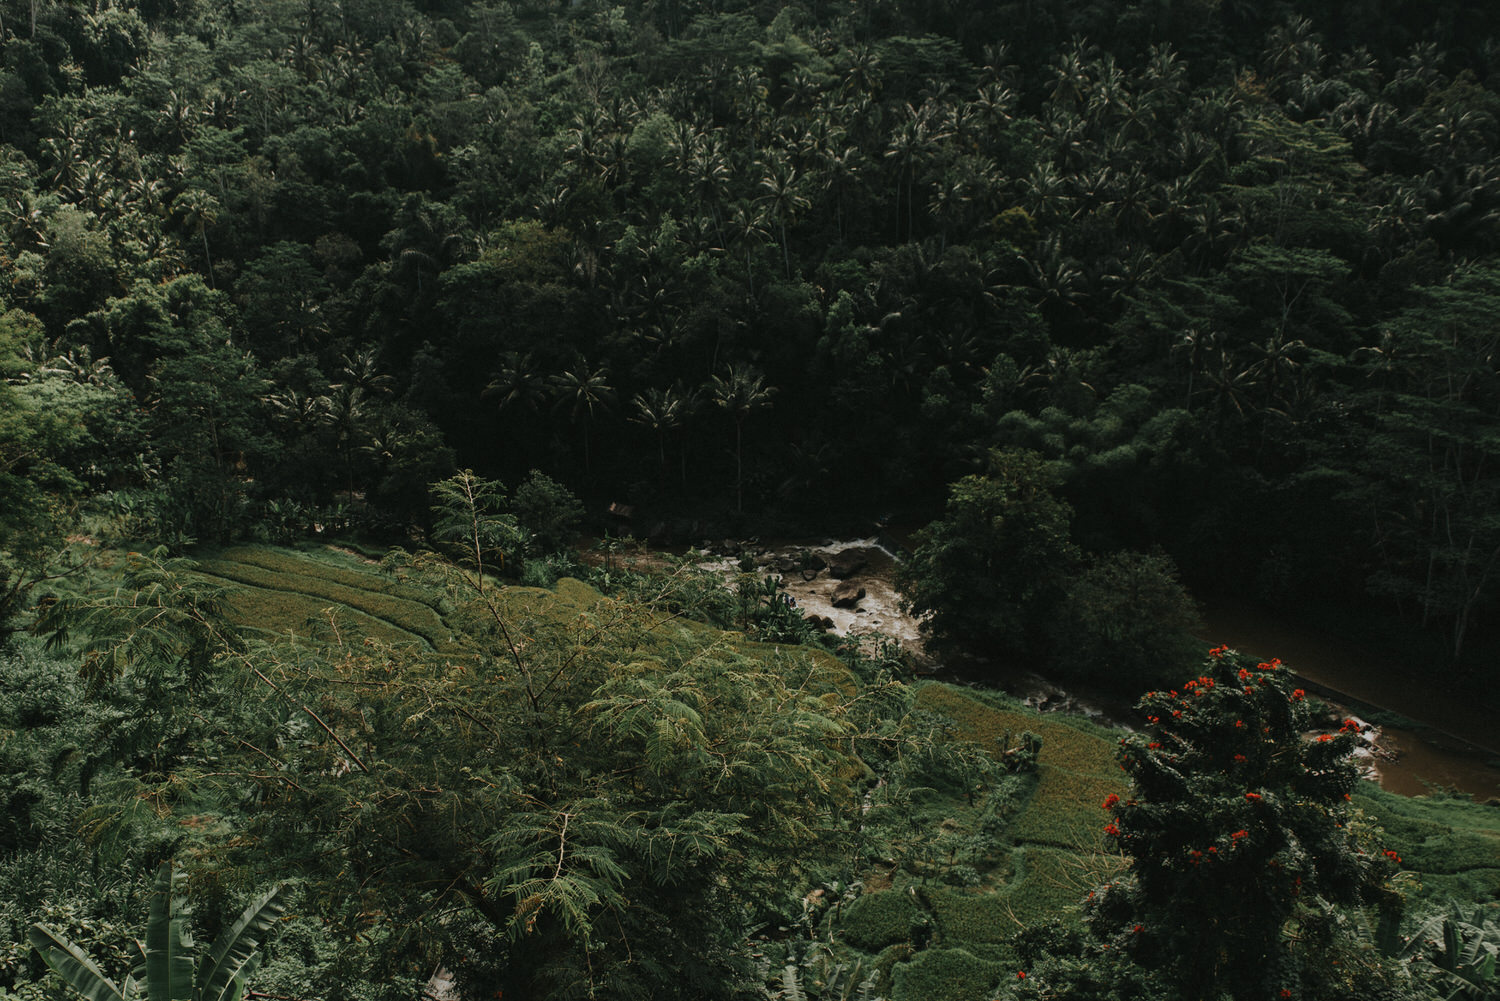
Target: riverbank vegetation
1126,303
588,792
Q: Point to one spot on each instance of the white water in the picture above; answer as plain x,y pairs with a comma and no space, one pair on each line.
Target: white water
878,616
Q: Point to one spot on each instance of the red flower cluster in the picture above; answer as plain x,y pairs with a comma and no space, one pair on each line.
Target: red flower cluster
1244,674
1274,665
1020,974
1110,801
1350,726
1297,694
1324,738
1240,759
1239,835
1392,856
1218,651
1113,830
1252,796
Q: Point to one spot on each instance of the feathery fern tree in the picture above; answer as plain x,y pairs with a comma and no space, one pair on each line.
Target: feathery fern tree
580,795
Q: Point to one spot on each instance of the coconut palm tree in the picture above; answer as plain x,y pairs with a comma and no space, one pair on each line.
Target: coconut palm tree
741,392
783,199
661,411
199,210
581,391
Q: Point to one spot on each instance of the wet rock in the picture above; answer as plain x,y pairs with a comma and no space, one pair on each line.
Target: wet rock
847,595
846,564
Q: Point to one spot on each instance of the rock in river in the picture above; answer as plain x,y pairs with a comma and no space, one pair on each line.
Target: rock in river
847,595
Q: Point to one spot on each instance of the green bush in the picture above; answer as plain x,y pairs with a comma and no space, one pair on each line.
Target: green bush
876,920
945,975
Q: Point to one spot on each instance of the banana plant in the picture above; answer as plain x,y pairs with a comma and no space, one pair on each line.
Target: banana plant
165,970
1465,949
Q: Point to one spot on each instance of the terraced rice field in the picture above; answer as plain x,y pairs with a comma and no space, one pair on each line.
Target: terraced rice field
1450,847
926,938
310,593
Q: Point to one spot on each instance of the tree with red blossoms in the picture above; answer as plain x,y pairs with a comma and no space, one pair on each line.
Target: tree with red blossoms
1240,835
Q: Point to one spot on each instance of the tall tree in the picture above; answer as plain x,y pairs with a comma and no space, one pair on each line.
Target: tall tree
988,575
740,392
1227,792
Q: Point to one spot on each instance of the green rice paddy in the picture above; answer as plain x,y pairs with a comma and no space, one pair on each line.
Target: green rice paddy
930,936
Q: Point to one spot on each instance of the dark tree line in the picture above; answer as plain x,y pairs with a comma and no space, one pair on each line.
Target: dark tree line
1226,267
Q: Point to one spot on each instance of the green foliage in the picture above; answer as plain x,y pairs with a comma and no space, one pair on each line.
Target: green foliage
540,519
1226,791
166,969
1127,623
876,920
1228,271
605,789
943,973
162,632
467,519
989,575
269,578
548,512
1463,946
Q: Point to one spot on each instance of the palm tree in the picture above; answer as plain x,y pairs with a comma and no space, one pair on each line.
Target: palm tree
581,391
26,223
343,411
747,227
841,169
1276,365
783,199
361,371
662,410
908,141
199,210
164,969
516,383
708,174
741,392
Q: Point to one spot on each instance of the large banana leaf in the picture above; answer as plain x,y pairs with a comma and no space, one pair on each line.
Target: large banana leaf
223,972
69,962
169,946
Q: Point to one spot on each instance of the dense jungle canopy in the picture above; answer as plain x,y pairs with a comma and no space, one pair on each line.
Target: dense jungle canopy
1228,267
1123,300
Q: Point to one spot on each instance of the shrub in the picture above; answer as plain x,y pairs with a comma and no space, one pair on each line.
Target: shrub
876,920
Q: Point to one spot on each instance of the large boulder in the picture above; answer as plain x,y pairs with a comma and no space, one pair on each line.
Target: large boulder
846,564
847,595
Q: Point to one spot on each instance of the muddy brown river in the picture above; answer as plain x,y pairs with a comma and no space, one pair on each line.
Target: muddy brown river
1456,744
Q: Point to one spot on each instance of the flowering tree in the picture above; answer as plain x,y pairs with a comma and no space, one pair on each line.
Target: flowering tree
1240,834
